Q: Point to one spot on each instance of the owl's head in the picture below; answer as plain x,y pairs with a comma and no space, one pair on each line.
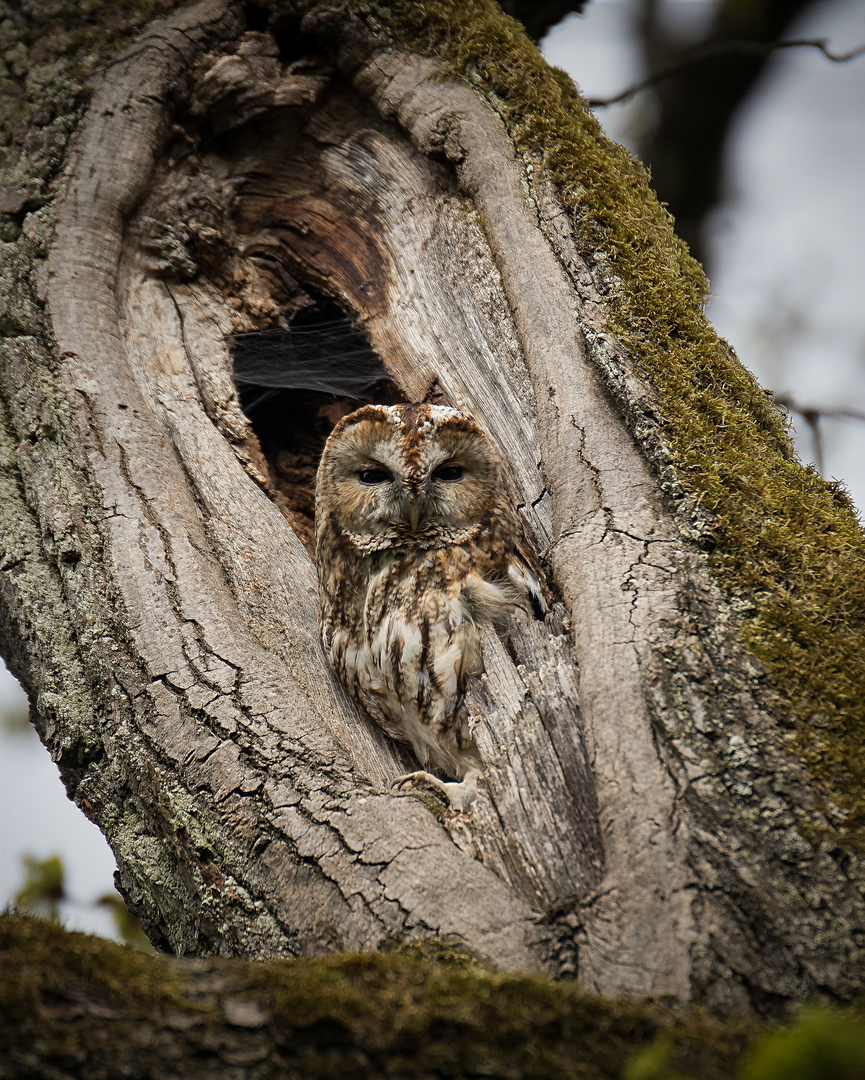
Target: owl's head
406,475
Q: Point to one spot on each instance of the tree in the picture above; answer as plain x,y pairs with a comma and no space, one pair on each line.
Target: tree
672,795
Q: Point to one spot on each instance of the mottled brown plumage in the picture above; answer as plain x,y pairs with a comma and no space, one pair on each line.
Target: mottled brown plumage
418,547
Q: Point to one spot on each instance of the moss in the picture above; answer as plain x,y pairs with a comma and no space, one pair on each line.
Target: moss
421,1018
76,1005
71,999
42,962
781,537
437,950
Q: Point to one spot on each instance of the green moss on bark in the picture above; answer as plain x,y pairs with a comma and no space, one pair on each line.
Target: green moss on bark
84,1006
76,1005
781,538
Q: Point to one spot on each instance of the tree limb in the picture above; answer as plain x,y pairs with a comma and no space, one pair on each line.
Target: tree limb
733,47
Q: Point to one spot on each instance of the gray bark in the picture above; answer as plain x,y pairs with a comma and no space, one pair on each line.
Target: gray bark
162,612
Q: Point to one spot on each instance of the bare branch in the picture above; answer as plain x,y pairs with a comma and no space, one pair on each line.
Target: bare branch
812,418
804,410
725,48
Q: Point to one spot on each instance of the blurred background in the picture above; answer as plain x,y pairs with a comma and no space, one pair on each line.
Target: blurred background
759,151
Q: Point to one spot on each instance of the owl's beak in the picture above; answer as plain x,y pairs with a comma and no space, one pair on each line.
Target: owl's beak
414,516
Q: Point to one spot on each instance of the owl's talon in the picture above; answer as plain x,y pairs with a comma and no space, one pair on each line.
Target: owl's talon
421,779
458,795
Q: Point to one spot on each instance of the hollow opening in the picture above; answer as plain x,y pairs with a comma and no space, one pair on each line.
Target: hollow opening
295,382
257,17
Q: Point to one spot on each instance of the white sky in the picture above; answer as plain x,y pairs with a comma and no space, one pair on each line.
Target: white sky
36,818
787,257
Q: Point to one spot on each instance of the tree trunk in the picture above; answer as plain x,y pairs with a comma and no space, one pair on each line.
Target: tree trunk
651,819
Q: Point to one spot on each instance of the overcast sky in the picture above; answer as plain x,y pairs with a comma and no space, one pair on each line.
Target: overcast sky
787,276
787,247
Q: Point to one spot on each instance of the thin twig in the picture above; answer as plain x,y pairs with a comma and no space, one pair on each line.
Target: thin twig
723,48
812,418
793,406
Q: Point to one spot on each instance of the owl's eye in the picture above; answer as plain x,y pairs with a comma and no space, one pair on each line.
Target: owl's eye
449,474
371,477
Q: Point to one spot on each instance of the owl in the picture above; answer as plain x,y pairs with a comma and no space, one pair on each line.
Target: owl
418,549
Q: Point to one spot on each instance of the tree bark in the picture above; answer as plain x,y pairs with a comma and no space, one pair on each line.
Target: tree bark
161,611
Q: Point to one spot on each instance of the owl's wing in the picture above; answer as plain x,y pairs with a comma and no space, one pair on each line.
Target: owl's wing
525,572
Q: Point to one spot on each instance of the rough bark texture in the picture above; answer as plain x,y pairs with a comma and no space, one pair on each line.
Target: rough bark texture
640,823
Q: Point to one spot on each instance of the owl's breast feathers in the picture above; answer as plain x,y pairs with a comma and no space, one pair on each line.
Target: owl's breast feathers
403,633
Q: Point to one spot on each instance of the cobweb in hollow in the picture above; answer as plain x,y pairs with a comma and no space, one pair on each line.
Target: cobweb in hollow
295,384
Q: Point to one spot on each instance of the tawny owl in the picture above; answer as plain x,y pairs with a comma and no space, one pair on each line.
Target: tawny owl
418,547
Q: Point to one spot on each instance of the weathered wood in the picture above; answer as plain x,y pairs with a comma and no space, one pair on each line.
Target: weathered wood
348,203
246,799
639,594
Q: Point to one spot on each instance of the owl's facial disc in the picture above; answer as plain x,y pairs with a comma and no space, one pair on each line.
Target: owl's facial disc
392,501
409,474
388,496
